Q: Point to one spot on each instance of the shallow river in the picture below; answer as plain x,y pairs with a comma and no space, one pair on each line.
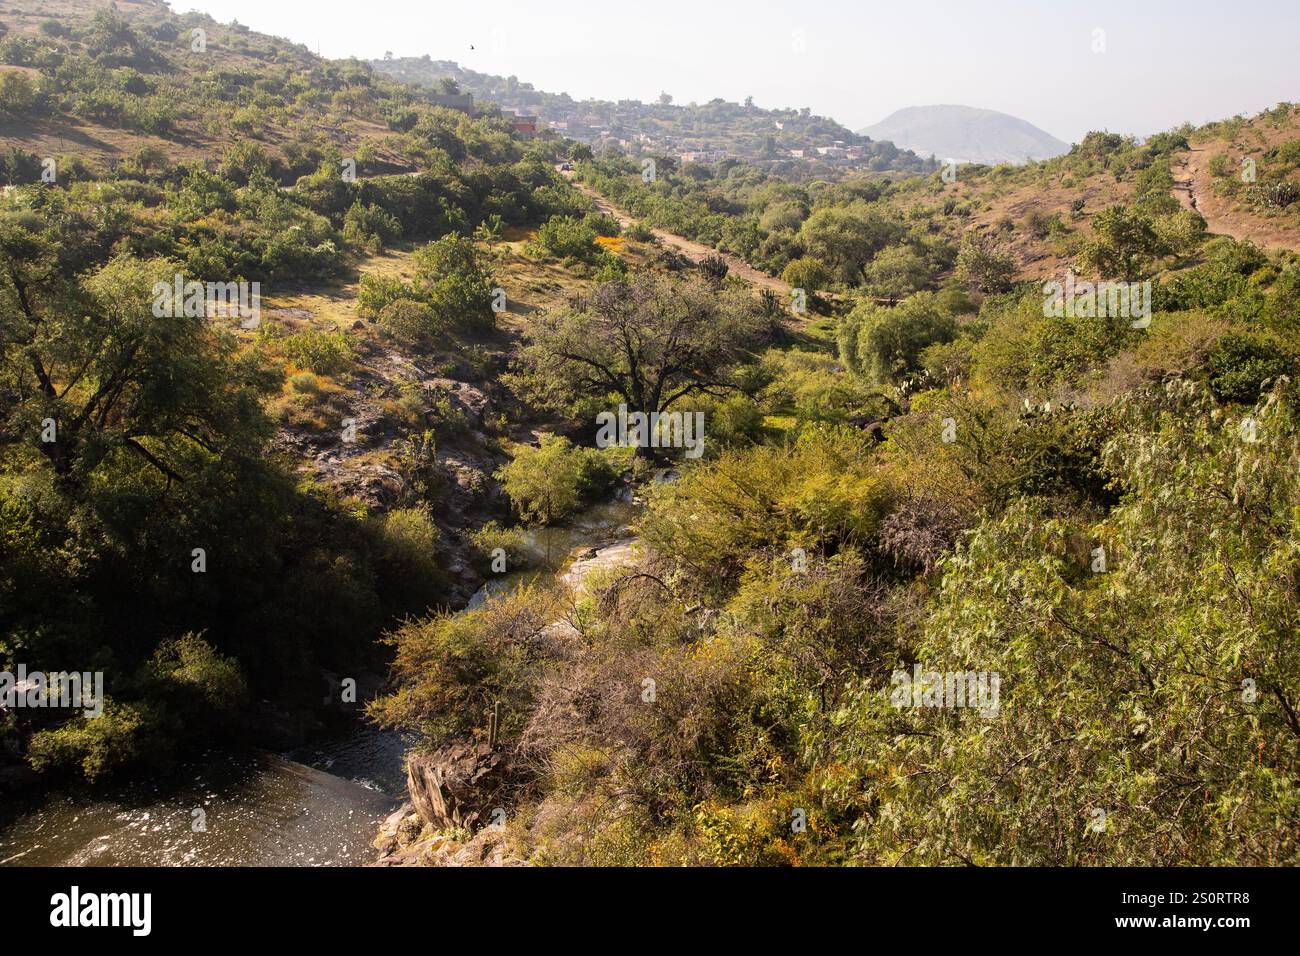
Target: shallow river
224,810
320,806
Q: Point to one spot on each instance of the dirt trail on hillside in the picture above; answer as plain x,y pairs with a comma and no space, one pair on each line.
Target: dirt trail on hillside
695,251
1194,190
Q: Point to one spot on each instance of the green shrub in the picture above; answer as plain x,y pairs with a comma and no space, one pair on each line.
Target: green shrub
98,747
410,320
884,344
201,687
407,549
549,483
640,232
452,669
376,291
511,542
983,265
897,272
808,274
822,491
602,224
730,420
370,226
1123,245
1282,310
747,834
451,278
813,386
1241,364
325,353
1023,349
566,238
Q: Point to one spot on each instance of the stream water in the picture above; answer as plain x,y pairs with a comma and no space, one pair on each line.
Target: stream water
319,806
253,809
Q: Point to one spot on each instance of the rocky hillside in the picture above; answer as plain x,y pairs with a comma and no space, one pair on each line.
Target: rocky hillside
1243,176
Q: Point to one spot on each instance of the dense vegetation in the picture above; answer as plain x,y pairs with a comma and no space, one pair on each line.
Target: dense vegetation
936,475
1097,509
149,527
891,237
1122,552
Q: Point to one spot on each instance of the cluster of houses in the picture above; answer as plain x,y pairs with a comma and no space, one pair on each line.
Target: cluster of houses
618,132
590,130
837,150
523,123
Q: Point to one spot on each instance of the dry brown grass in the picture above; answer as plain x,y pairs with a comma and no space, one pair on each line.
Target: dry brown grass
1235,141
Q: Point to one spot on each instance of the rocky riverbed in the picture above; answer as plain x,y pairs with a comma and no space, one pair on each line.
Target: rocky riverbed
453,811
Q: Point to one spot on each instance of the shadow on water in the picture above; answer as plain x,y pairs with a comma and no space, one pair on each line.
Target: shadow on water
224,809
221,810
320,805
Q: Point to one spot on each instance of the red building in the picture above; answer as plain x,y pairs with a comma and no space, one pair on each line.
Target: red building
524,125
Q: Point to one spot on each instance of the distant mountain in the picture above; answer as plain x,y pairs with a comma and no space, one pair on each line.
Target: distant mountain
966,134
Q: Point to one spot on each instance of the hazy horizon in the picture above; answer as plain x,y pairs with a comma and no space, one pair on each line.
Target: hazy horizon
842,60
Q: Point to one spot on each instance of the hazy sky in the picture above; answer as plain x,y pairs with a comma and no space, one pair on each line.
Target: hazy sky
1165,61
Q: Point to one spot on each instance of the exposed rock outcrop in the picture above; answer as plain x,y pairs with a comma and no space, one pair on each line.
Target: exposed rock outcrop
459,786
463,787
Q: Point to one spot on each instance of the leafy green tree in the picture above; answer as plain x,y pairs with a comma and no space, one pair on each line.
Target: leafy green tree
107,376
548,483
410,320
807,273
567,238
884,344
983,265
1124,242
451,278
787,215
897,272
651,341
17,92
847,238
1131,687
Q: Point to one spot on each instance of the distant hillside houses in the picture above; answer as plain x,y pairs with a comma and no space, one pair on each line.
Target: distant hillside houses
454,101
705,156
836,151
790,138
524,124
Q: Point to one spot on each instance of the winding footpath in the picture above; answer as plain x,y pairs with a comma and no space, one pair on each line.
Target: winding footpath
690,249
1194,191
